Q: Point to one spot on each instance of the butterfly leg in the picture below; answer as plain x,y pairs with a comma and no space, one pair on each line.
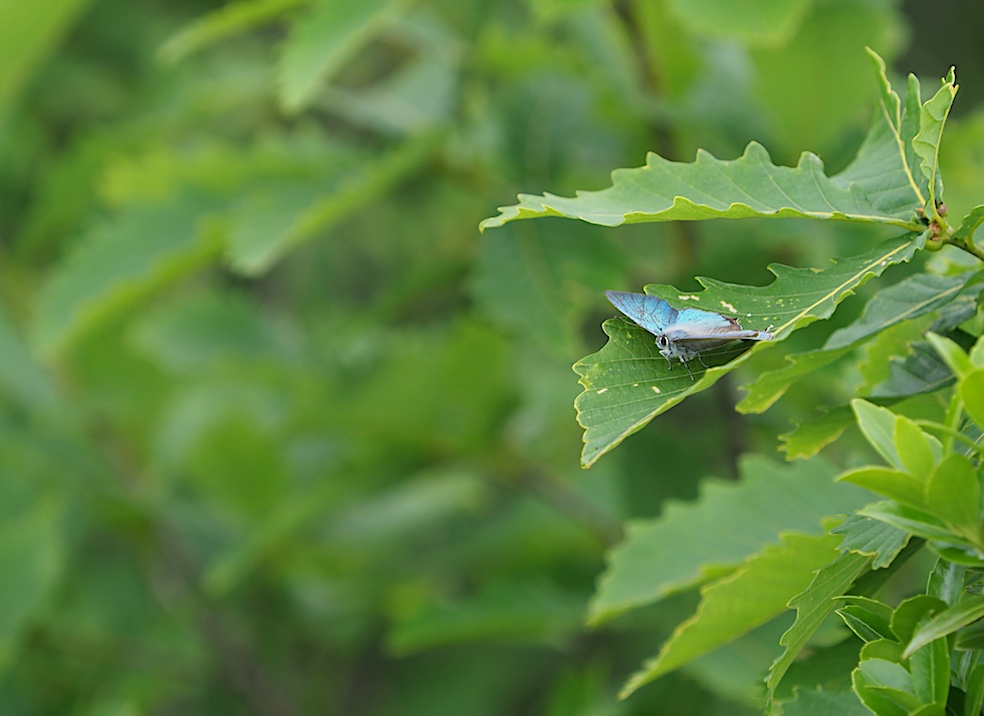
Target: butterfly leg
688,367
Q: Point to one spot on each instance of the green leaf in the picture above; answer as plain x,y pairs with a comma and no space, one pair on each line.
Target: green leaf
872,538
893,484
912,520
974,701
930,669
946,581
932,118
227,21
885,687
139,251
953,355
813,606
319,43
887,150
878,426
918,451
976,353
912,297
954,495
971,391
811,436
868,618
946,622
627,383
734,605
877,187
922,371
730,522
969,224
711,188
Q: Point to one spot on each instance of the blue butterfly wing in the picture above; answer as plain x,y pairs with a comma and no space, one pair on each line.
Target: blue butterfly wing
709,329
650,312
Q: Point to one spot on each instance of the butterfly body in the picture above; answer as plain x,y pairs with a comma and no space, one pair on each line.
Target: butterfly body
683,333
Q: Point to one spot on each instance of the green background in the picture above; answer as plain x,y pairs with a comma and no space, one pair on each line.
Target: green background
281,432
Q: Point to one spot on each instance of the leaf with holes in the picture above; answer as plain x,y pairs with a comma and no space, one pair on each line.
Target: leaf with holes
628,383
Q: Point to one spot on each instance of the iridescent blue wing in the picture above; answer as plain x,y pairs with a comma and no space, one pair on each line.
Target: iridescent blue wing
709,328
706,329
650,312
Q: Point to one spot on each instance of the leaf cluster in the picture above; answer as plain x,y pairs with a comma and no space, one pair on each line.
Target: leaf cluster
796,539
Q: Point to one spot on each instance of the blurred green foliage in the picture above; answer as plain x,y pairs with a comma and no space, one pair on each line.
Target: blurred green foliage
280,432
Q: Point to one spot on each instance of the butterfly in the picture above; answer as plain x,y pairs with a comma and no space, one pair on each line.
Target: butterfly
685,333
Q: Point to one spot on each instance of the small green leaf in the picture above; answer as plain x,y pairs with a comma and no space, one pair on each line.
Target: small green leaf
872,538
893,484
921,372
969,224
918,451
946,622
911,613
971,391
919,523
976,353
953,495
878,426
885,687
890,141
932,118
953,355
868,618
946,581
